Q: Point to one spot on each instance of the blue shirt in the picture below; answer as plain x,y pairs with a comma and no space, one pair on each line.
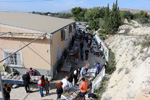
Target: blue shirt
83,71
98,68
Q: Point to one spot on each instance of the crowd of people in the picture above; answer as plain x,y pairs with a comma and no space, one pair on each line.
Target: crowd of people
43,83
74,77
78,75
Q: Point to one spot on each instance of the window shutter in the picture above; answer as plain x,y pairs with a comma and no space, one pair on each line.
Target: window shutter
66,34
72,27
58,52
62,34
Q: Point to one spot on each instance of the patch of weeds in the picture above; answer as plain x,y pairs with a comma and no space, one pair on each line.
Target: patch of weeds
102,34
133,58
146,42
127,71
135,26
102,88
130,24
120,69
111,86
135,43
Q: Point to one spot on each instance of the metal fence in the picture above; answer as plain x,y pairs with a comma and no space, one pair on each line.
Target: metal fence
104,47
96,82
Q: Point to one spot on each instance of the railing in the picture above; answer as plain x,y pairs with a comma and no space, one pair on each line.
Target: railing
96,82
104,47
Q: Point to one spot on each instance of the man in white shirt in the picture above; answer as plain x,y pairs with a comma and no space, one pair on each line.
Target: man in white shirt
65,85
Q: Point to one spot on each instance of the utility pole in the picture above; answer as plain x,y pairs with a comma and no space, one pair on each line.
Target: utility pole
1,86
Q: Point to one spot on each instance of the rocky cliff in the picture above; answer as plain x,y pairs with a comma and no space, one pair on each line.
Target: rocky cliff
132,54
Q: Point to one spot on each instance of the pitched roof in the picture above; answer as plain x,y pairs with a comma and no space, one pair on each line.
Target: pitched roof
33,21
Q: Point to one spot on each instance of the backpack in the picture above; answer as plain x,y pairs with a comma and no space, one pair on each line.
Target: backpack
40,82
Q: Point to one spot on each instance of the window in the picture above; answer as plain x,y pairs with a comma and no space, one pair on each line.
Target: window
64,34
15,60
70,29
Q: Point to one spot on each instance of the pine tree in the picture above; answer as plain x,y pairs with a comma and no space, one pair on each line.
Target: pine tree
106,20
115,18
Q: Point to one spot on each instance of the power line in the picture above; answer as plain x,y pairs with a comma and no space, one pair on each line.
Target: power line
23,47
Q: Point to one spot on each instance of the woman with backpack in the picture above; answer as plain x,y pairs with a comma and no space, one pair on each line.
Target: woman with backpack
41,84
59,90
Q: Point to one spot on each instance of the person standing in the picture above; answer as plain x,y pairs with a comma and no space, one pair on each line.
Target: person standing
86,54
77,57
75,77
98,68
6,90
83,88
47,86
81,45
70,80
31,72
26,81
89,42
59,90
83,71
83,34
65,85
81,54
41,84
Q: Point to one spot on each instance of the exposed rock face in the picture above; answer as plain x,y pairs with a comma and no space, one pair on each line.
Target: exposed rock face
133,65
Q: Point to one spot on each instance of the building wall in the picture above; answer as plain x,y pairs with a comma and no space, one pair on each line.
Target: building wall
36,55
57,41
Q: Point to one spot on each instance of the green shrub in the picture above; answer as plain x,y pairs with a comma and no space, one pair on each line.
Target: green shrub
102,34
92,31
142,20
146,42
111,63
102,88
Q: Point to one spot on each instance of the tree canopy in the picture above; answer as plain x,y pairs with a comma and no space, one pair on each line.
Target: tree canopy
106,19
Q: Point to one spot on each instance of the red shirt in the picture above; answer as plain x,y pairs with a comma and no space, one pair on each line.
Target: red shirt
77,55
84,86
43,82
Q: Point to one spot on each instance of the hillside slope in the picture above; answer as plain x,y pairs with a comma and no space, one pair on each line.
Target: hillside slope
132,69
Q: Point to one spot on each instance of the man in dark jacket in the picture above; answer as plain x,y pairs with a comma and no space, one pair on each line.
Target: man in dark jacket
86,54
81,45
26,81
6,90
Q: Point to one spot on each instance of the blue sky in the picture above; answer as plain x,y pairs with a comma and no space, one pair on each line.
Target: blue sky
62,5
